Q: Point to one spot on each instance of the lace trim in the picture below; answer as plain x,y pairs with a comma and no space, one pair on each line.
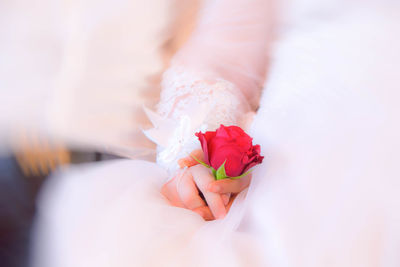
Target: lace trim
191,102
180,87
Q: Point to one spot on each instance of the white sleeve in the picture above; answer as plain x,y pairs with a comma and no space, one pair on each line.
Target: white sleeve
216,77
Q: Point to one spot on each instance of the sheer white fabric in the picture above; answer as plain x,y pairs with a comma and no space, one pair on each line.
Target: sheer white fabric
326,195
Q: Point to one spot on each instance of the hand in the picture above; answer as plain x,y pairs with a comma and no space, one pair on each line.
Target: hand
183,189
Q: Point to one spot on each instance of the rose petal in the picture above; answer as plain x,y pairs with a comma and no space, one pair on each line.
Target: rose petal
204,141
230,144
232,155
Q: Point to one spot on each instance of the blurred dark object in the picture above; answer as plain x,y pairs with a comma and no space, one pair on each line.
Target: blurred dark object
17,207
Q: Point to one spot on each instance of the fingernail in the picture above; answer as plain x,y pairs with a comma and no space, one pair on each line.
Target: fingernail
199,212
181,163
225,199
214,188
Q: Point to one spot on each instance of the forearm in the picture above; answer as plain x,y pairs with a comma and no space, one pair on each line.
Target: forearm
231,42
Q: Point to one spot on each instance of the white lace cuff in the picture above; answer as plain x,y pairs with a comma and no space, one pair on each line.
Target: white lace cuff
191,102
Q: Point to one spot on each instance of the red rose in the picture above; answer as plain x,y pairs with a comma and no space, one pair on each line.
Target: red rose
232,146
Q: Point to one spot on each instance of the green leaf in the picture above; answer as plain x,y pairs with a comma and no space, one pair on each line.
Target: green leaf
221,174
201,162
240,176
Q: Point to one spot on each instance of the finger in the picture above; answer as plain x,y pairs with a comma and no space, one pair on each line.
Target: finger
225,198
198,154
190,161
230,185
202,177
169,191
188,192
205,212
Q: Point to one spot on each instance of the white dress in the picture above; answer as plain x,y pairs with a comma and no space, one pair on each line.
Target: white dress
327,193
